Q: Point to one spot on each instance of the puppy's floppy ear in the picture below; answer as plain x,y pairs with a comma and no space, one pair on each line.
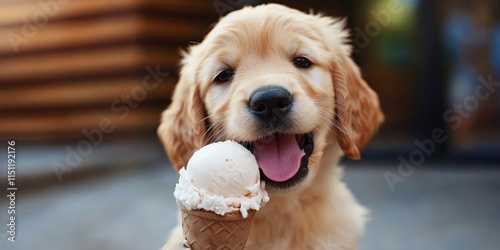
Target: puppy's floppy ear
357,108
182,126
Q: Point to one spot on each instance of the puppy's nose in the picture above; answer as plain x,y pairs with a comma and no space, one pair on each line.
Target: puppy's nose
270,102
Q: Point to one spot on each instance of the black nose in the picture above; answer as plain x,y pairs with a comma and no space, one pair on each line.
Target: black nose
270,102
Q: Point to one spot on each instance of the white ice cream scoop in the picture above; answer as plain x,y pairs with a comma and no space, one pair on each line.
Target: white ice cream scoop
224,168
221,177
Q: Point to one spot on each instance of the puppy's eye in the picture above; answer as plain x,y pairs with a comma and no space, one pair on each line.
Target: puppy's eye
224,76
302,62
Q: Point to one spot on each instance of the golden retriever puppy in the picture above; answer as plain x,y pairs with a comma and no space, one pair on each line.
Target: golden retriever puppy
281,83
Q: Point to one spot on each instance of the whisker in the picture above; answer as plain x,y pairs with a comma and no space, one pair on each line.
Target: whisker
340,108
198,123
220,129
214,131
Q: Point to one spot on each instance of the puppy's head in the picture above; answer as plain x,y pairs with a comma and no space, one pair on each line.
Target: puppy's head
280,82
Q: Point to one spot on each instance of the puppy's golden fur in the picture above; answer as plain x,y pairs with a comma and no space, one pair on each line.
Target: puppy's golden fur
331,100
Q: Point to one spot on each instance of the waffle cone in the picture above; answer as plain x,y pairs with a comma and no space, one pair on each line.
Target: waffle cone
206,230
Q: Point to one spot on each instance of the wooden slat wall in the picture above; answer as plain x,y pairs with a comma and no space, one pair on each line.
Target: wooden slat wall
65,77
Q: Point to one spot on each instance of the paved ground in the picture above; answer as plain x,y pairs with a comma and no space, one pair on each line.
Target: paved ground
433,209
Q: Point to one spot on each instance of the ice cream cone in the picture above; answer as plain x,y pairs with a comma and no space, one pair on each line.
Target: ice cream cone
205,230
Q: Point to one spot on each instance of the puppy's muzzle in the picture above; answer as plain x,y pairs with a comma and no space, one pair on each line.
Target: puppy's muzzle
270,103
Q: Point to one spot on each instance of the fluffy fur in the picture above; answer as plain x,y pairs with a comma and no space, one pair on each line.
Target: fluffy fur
331,100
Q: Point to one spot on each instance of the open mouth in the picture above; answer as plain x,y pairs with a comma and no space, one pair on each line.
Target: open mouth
283,158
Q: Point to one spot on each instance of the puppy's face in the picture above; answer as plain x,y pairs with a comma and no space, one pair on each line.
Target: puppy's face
265,77
268,85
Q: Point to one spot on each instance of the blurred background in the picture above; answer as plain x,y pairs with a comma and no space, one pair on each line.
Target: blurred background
83,83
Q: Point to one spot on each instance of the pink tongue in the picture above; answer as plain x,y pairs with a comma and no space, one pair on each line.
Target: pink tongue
278,156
